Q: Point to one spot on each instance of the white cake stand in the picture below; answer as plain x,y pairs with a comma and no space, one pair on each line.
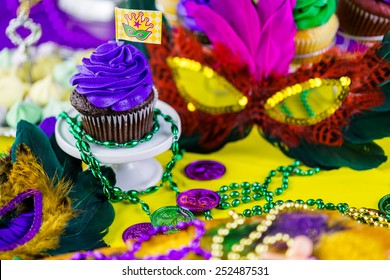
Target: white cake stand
135,168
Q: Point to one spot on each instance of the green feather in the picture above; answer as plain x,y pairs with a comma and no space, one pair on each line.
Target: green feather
368,126
37,141
384,50
71,166
94,214
356,156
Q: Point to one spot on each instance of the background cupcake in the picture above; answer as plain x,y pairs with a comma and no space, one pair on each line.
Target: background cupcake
114,93
317,26
365,18
168,8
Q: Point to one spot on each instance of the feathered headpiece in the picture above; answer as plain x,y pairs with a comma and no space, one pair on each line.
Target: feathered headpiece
48,206
325,114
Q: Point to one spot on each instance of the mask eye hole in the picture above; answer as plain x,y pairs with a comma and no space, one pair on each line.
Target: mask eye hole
20,219
203,89
309,102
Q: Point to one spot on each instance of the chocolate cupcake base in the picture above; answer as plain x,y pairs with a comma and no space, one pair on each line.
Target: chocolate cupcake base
121,127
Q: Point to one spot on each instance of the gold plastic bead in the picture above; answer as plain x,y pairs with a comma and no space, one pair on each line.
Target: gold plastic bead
261,248
216,247
237,248
255,235
223,231
218,239
233,256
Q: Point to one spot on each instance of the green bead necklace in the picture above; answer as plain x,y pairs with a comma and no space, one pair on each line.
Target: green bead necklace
115,194
242,193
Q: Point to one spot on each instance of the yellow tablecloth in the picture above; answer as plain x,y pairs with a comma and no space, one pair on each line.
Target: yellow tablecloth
250,160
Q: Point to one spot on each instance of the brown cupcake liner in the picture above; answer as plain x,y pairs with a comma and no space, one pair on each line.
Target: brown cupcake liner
123,127
358,22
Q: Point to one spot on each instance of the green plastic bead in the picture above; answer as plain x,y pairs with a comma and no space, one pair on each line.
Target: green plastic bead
145,207
168,118
234,194
256,188
257,196
85,158
131,144
296,163
246,199
316,169
224,197
256,208
278,191
117,191
289,201
133,193
170,165
299,201
157,111
285,180
223,189
234,186
284,186
267,180
156,127
272,173
281,169
278,202
236,202
245,184
225,205
175,148
257,213
166,176
134,200
246,191
266,210
299,172
148,136
286,174
247,213
256,184
319,201
89,138
152,189
116,199
311,202
175,129
330,206
109,144
268,198
309,172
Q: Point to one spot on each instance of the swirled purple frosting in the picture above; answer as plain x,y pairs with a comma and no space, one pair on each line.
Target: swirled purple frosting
116,76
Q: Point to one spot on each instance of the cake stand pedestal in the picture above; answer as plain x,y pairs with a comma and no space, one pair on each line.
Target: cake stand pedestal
135,168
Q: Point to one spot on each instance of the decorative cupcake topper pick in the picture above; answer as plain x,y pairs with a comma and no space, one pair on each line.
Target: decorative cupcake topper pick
138,25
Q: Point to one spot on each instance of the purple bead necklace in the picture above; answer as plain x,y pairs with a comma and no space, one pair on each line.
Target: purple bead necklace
174,254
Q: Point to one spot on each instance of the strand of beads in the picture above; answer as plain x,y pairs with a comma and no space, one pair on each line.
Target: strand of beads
113,193
363,215
194,246
260,191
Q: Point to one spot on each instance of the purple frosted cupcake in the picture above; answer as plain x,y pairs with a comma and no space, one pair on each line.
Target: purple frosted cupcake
114,93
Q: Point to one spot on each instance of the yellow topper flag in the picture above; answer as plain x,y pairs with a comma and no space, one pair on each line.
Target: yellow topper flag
138,25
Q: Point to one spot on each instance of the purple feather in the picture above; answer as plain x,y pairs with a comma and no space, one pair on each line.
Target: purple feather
242,17
276,48
219,31
265,42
